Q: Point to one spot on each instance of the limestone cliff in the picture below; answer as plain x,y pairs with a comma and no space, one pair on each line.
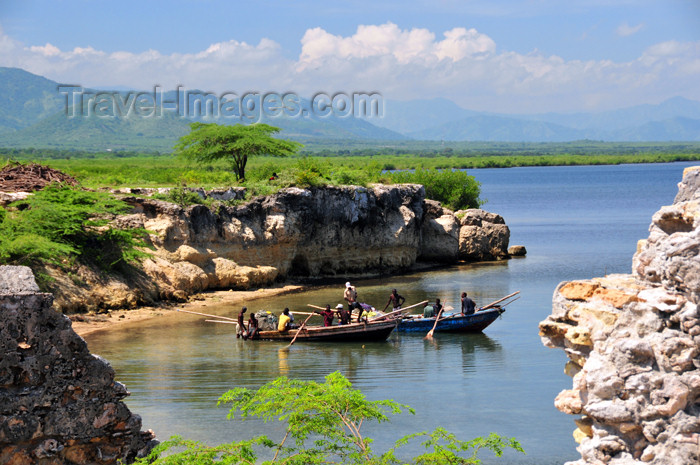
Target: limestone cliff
634,346
343,231
59,404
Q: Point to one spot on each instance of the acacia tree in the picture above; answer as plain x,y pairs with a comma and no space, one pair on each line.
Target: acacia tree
323,427
209,142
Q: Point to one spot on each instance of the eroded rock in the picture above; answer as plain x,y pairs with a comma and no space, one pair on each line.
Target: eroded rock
317,232
59,404
639,381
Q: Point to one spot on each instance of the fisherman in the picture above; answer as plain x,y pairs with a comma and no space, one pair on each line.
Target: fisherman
432,310
350,296
437,306
252,327
327,315
343,315
396,300
241,324
468,305
285,322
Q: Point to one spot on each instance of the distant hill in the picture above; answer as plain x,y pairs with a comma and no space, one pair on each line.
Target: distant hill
675,119
411,117
672,129
25,99
93,133
498,128
638,115
32,114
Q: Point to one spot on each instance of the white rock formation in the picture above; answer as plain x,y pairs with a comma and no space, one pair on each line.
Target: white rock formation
634,346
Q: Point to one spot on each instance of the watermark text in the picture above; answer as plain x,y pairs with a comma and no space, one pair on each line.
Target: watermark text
248,107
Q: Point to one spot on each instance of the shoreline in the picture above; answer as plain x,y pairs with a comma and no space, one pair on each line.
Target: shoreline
89,324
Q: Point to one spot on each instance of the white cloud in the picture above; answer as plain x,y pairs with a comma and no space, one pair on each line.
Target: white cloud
624,29
387,40
461,64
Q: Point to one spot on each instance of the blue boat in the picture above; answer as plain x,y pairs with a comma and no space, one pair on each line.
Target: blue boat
455,323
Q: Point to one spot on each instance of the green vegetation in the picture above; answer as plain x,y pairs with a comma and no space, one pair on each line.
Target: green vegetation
323,426
235,144
338,165
455,189
60,224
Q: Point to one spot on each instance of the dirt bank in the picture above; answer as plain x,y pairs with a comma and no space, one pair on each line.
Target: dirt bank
85,324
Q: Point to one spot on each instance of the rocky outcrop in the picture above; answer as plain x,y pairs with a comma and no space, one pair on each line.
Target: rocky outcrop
634,346
59,404
482,235
345,231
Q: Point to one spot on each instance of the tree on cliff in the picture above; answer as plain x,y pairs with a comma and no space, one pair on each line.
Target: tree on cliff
211,142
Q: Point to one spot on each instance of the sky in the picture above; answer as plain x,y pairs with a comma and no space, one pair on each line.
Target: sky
505,56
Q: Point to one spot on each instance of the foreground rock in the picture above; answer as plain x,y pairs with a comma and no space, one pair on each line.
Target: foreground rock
59,404
634,346
341,232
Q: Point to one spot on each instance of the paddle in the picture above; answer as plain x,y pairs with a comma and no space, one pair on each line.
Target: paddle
322,308
206,314
499,300
399,310
509,302
386,315
298,331
437,318
219,321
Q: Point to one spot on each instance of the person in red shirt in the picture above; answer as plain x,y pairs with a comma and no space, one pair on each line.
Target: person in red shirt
327,315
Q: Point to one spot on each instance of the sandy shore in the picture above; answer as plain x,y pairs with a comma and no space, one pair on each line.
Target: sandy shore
85,324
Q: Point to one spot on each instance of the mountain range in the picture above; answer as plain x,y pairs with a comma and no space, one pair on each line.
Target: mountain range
33,114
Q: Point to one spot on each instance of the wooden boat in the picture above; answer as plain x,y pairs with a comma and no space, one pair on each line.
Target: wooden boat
355,332
457,323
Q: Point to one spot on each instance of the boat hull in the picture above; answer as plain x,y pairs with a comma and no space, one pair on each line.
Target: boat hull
474,323
356,332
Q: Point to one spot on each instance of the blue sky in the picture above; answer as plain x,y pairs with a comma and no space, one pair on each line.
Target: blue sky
508,56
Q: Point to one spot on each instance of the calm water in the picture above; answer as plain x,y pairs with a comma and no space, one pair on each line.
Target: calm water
576,222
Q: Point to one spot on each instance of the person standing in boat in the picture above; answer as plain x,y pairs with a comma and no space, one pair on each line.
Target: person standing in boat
327,315
241,324
252,326
396,300
468,305
343,315
350,296
285,321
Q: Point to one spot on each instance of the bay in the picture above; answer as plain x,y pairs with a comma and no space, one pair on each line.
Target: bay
576,222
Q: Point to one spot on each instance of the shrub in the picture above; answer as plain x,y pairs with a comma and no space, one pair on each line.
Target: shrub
263,172
61,222
310,171
454,189
324,426
182,197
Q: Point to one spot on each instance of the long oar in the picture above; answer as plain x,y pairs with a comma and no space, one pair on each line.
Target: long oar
509,302
437,318
500,300
219,321
398,311
298,331
206,314
380,317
